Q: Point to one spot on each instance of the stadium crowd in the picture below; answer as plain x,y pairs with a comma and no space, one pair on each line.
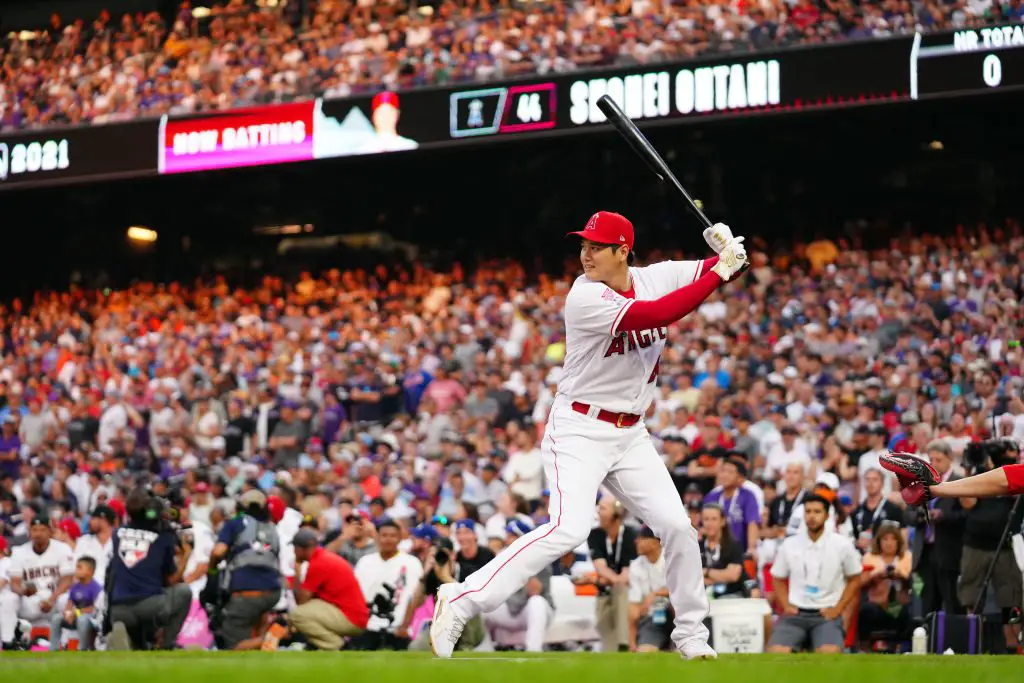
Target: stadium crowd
117,68
391,418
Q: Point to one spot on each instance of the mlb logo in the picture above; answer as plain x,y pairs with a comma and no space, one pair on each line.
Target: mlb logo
132,557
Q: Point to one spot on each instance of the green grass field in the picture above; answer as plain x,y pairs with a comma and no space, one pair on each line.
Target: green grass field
317,667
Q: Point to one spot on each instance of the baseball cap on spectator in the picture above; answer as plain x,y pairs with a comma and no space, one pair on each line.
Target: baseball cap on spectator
253,497
518,527
202,487
276,508
305,538
68,526
218,443
829,480
712,421
465,524
315,445
424,532
440,520
363,462
606,227
40,519
118,507
106,512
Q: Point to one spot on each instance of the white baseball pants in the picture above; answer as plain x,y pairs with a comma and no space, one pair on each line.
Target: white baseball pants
14,607
580,453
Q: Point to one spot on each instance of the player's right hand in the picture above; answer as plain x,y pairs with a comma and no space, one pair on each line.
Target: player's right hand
732,260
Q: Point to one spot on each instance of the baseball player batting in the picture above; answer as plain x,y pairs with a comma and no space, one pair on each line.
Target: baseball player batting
616,319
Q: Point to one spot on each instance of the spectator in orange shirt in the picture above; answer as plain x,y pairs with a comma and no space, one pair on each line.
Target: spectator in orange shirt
369,482
330,603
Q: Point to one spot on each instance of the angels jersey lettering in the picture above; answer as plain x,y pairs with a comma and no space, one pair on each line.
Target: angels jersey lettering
44,569
611,369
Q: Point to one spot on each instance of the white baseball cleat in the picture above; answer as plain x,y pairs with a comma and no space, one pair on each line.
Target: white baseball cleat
701,651
446,628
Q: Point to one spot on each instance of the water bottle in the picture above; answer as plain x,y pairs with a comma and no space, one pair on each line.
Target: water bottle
919,643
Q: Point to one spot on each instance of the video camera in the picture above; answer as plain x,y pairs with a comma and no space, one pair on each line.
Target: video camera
161,513
993,453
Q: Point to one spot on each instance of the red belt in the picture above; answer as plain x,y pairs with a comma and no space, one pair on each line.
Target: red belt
620,420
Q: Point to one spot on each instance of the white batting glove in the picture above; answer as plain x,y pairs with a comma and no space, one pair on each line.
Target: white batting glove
732,260
718,236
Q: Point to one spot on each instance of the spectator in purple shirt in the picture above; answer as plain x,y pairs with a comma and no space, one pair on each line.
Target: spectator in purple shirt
332,419
10,448
739,504
82,607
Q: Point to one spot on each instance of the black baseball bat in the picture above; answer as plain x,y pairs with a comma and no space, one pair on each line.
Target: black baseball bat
642,146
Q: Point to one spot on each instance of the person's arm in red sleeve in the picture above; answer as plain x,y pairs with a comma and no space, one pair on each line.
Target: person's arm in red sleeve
1005,481
646,315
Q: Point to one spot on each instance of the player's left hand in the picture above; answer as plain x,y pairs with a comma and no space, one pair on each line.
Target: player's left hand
718,236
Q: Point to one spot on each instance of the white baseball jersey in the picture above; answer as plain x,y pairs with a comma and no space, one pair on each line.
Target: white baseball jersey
44,570
614,370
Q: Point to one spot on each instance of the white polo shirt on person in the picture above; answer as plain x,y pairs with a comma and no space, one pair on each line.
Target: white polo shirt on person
646,577
817,571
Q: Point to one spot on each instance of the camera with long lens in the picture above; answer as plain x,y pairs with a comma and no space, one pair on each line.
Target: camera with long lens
986,455
442,555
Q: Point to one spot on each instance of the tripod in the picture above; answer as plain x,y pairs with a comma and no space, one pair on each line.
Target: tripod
979,604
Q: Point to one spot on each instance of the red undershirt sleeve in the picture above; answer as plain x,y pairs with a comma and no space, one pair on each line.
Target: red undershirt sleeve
707,264
646,315
1014,473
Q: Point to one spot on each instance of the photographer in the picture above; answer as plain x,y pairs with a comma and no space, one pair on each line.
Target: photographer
251,584
388,578
937,547
994,475
439,567
986,521
143,581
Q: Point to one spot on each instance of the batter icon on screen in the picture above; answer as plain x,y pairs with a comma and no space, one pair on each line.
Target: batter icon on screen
476,115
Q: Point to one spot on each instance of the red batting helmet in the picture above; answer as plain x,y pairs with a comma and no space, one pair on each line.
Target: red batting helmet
605,227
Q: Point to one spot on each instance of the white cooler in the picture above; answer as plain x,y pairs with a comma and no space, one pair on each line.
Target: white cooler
738,625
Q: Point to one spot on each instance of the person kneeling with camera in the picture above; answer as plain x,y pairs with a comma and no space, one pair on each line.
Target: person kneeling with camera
252,579
144,579
330,603
441,567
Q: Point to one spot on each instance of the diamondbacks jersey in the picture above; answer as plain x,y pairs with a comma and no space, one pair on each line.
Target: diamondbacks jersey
44,570
604,367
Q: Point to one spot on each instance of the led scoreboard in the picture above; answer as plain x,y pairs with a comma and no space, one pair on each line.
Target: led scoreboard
967,61
496,111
